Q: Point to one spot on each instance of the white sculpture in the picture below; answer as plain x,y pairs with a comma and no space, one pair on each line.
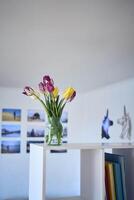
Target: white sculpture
125,122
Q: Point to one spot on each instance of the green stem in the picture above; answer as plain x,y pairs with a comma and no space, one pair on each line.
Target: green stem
42,104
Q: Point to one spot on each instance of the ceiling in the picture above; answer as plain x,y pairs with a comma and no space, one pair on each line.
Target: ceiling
82,43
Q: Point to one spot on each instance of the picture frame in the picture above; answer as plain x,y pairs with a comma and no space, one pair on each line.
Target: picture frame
35,131
11,114
34,115
64,117
32,142
10,130
10,146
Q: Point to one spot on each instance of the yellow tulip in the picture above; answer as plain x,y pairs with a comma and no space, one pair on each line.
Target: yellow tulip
55,92
68,93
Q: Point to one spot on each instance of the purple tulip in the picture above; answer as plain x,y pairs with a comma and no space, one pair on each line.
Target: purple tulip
42,87
73,95
28,91
49,87
47,79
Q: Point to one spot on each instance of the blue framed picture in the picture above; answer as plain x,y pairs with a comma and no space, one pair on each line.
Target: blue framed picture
11,114
10,130
10,146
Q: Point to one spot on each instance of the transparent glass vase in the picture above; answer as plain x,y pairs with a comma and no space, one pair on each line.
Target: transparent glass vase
55,130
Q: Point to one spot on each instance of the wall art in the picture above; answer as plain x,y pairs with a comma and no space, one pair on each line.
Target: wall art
11,114
35,116
11,146
10,130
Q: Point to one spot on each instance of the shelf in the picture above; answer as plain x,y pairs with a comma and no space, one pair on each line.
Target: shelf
72,146
92,169
117,145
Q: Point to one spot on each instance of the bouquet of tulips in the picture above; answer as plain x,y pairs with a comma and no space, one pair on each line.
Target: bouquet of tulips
49,97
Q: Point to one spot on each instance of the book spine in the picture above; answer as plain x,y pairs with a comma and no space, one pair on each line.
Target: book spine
111,184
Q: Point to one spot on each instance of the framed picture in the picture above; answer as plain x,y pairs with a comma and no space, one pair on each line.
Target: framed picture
32,142
10,146
64,117
35,116
58,151
10,130
65,132
36,131
11,114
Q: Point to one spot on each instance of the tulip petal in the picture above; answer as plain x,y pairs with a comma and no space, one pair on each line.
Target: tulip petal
73,95
49,87
28,91
55,92
42,87
46,79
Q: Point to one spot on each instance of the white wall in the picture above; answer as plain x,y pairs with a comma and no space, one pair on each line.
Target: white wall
85,116
14,168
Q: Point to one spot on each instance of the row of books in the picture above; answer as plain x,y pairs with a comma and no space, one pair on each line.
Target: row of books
115,182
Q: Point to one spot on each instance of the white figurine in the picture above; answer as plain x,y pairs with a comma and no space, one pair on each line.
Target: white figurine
125,122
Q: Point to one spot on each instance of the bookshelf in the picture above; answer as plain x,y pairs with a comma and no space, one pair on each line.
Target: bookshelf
92,174
129,169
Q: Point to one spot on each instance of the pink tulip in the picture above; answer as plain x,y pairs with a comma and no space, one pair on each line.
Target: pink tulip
47,79
49,87
42,87
28,91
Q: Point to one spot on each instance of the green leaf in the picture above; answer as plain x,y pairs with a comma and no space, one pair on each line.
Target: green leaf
61,109
60,104
57,100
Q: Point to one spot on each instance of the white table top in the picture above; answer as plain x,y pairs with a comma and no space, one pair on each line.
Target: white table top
79,146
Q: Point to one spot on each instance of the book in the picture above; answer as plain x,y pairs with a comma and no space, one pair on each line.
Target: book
120,160
118,181
111,195
107,187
